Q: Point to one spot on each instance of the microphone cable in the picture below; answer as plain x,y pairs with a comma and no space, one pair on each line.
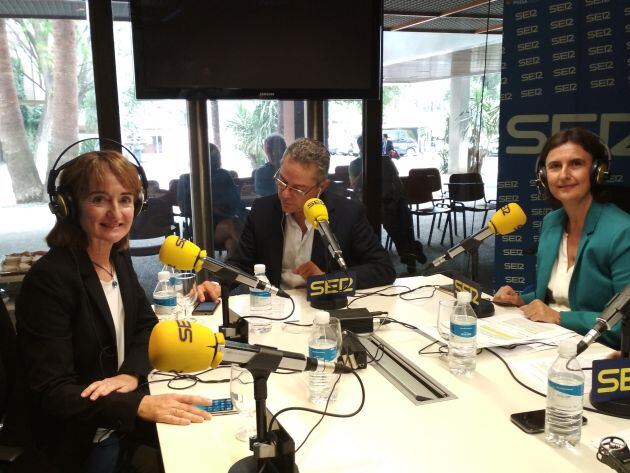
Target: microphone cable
401,295
380,348
442,349
173,377
586,408
324,412
273,318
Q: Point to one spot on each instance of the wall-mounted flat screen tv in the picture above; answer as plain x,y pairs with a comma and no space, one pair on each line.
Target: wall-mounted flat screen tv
257,49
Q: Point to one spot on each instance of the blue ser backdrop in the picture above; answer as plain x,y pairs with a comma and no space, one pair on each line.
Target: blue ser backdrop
565,63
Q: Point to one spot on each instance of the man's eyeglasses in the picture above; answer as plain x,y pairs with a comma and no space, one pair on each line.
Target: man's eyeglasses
282,185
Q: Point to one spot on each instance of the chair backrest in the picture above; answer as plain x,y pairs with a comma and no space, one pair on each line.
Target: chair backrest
432,177
8,358
416,188
466,187
342,174
155,222
171,195
153,188
15,400
183,195
246,188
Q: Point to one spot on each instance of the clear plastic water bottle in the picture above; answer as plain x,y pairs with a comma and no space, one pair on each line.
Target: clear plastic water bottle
565,388
462,344
260,304
165,297
322,344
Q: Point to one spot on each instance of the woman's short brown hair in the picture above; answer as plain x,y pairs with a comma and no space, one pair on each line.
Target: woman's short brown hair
84,173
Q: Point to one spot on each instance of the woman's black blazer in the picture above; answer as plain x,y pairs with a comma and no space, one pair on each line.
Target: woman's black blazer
66,340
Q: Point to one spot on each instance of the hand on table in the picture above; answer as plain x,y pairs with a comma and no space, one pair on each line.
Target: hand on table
614,355
538,311
177,409
209,290
122,383
508,296
308,269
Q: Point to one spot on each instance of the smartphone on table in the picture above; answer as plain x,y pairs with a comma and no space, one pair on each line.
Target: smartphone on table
205,308
219,407
533,422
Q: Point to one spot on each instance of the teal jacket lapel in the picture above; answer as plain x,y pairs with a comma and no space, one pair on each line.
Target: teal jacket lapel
550,240
592,217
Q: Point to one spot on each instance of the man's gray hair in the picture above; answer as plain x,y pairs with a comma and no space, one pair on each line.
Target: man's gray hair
308,151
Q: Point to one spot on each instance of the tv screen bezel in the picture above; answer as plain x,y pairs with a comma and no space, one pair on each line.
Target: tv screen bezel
144,91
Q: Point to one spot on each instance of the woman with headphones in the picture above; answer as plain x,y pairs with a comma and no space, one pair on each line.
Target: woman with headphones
84,322
584,246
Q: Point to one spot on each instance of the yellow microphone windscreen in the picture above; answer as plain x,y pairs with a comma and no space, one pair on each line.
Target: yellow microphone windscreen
177,345
181,254
315,211
507,219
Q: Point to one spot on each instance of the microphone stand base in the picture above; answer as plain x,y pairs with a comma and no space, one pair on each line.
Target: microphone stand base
329,303
619,407
251,465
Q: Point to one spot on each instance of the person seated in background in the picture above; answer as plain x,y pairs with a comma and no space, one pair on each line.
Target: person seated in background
278,235
584,246
228,211
264,183
83,326
397,219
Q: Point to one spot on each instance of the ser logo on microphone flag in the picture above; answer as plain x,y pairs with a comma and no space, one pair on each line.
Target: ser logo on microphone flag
185,331
611,380
336,284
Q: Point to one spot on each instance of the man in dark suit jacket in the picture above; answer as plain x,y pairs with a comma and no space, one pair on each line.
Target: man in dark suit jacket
278,235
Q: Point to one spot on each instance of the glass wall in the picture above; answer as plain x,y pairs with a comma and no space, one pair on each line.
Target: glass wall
47,91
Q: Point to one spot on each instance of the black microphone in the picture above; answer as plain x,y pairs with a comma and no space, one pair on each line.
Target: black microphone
316,213
507,219
185,255
177,345
614,311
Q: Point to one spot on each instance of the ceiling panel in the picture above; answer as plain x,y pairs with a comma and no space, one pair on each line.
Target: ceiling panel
56,9
442,66
469,16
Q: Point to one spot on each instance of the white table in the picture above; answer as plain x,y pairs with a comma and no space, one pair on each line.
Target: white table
471,433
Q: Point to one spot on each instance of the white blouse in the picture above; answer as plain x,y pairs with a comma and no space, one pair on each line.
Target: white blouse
561,278
115,303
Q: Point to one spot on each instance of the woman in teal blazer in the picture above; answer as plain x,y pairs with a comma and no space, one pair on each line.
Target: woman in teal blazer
590,237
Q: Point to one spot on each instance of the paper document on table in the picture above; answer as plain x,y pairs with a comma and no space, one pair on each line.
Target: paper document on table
514,328
534,372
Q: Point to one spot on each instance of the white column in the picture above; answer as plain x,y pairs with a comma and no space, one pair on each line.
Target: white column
458,145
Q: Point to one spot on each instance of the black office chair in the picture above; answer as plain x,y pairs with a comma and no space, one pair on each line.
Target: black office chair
151,226
17,454
419,193
184,203
466,194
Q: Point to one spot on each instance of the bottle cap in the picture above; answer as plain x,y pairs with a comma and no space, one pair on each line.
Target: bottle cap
464,296
567,348
164,276
321,317
259,268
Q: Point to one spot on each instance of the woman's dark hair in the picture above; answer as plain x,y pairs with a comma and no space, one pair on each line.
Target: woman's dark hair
275,146
88,172
215,156
591,143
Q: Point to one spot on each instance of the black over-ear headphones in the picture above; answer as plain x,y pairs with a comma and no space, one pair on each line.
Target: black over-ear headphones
61,204
600,170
